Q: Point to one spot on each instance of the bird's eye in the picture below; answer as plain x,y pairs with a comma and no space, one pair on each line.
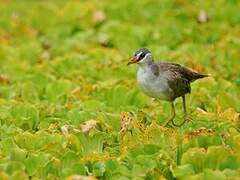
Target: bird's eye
142,55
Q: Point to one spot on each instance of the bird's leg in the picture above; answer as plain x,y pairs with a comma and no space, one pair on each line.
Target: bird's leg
185,116
172,115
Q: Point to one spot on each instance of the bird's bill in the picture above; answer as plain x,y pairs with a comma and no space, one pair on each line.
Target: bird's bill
133,60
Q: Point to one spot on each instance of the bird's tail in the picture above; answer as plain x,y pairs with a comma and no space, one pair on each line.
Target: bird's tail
196,75
199,76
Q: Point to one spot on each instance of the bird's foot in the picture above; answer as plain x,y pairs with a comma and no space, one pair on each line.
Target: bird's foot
168,121
187,118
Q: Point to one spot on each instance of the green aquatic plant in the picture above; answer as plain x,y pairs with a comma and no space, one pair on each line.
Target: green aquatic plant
70,107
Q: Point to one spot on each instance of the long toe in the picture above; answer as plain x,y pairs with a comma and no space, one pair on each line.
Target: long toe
166,123
170,119
187,118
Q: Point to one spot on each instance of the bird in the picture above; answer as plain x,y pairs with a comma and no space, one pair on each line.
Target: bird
164,81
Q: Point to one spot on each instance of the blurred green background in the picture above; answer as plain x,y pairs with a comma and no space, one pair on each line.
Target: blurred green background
65,89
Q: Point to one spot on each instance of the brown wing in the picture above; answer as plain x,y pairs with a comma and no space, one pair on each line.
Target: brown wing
185,72
179,86
177,79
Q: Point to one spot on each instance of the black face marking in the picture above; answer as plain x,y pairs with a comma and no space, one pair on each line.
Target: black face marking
141,53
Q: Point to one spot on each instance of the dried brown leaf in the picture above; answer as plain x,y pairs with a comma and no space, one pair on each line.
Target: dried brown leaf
125,119
65,130
199,132
4,79
78,177
87,126
202,16
98,16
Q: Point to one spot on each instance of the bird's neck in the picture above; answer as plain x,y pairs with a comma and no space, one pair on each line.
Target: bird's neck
146,65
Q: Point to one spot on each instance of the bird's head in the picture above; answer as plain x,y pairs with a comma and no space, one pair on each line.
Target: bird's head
142,57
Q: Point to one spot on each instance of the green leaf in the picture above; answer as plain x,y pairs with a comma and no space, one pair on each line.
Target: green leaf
111,165
74,143
18,154
34,162
90,144
138,171
69,159
3,176
182,172
230,162
215,156
210,174
52,167
25,116
40,80
29,92
196,157
8,143
19,174
98,169
93,105
232,173
74,169
150,149
56,90
23,140
206,141
13,166
77,116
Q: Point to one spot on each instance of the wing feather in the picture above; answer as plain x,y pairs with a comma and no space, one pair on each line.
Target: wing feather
176,76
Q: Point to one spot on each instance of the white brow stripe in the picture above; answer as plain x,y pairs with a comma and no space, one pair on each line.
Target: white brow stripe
139,54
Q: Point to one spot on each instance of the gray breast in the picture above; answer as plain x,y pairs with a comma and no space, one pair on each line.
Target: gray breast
154,84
